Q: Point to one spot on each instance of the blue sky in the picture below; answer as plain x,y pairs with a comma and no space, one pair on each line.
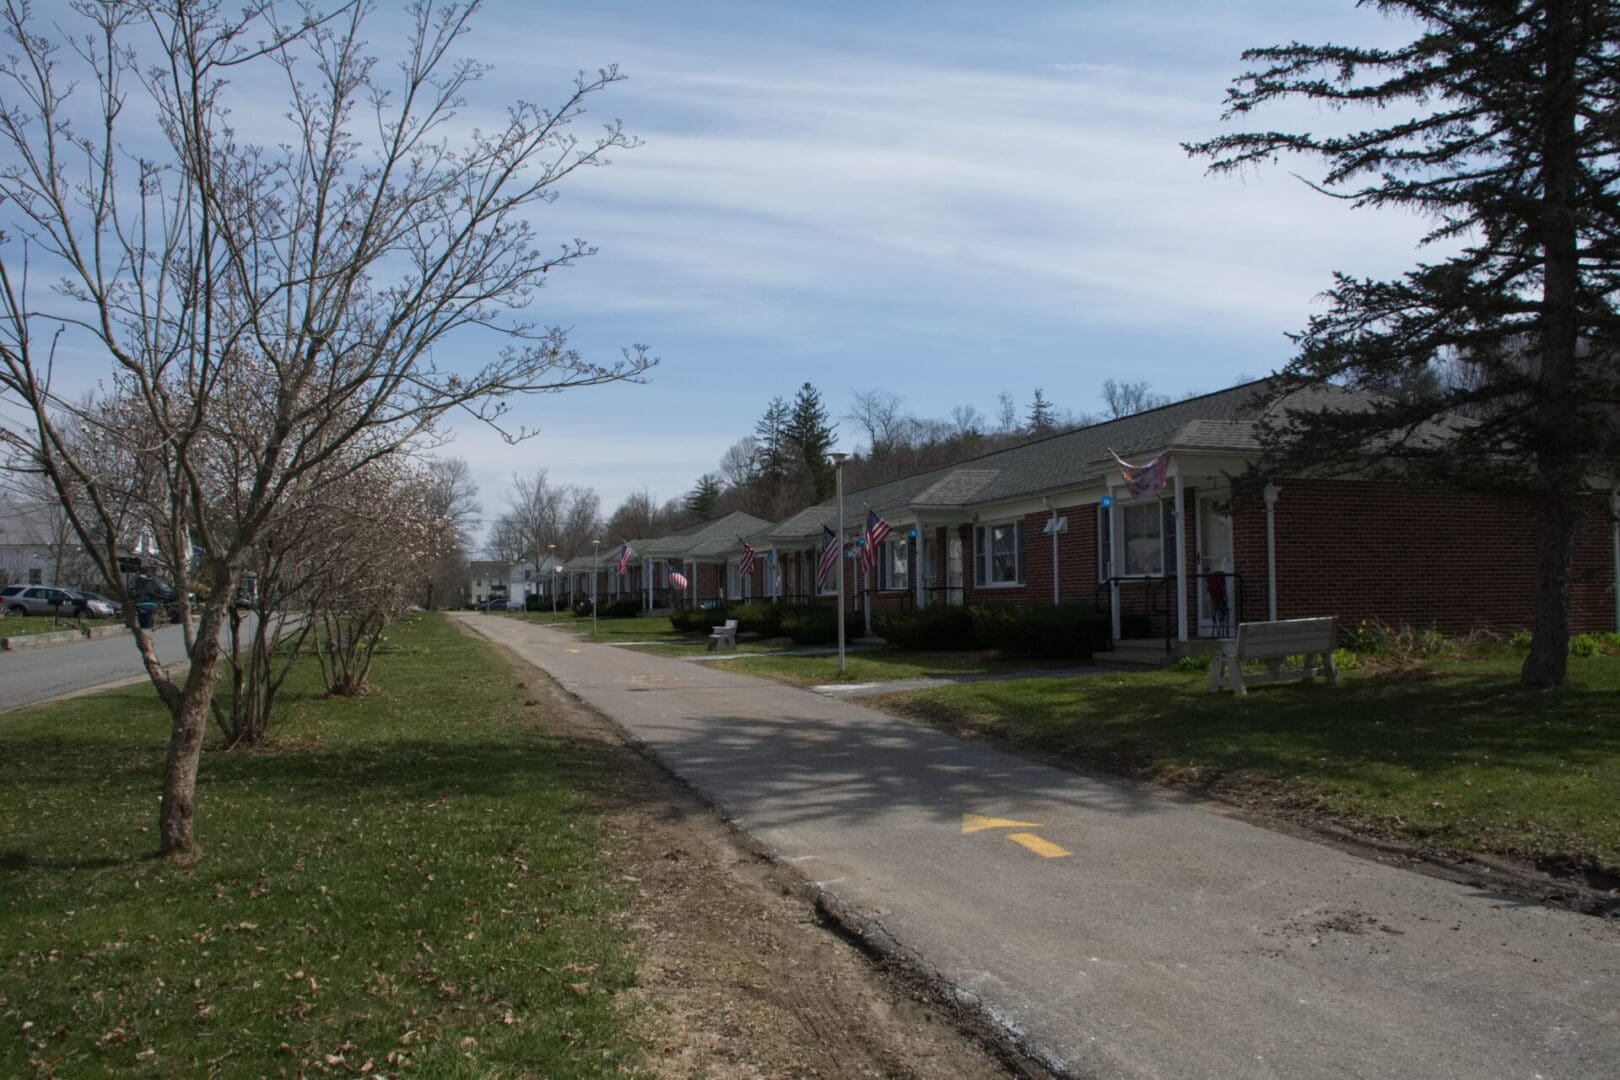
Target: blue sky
942,200
939,200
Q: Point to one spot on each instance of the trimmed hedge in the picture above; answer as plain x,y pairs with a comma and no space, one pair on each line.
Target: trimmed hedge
941,628
812,625
762,619
622,608
1067,631
698,620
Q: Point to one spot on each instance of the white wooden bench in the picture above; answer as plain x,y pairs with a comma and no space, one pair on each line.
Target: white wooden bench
724,637
1274,642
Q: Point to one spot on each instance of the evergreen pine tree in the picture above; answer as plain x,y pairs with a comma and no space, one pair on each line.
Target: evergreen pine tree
1503,136
775,453
701,499
1040,414
810,434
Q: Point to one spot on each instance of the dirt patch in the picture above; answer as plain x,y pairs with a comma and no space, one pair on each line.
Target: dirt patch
741,977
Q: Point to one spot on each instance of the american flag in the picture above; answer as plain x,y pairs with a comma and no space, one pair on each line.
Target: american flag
747,566
830,549
624,556
877,530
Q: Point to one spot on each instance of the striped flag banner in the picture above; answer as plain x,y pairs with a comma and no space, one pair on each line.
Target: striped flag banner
830,548
624,556
877,531
747,566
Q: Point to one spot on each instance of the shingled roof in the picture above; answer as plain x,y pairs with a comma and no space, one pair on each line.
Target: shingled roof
1224,421
707,539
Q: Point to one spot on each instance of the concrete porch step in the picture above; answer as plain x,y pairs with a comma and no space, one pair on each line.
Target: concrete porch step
1144,654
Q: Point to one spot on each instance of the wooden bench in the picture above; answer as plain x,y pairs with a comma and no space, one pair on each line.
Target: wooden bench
724,637
1273,642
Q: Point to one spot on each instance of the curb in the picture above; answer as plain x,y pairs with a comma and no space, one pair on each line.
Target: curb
95,632
40,641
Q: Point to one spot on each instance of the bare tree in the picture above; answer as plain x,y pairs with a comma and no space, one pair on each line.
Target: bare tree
1126,398
260,307
739,465
638,515
880,415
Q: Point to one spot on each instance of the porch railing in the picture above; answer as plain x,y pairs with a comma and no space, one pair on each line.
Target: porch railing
1158,593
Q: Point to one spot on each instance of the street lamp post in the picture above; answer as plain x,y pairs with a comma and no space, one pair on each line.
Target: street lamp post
552,548
838,473
596,547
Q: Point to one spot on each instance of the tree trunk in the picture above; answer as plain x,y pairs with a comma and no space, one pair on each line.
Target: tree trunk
1560,471
186,731
1549,634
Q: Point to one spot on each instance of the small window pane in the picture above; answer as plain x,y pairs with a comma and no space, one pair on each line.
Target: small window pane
1144,539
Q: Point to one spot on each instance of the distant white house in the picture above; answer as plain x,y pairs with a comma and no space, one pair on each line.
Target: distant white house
488,578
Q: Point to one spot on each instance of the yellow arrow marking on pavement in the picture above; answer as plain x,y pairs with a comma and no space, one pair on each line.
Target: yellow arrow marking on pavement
972,823
1044,848
571,650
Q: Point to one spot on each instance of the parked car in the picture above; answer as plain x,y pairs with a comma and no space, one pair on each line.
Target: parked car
51,600
93,605
114,606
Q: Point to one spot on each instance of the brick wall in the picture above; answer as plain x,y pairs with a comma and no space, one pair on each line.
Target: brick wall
1426,557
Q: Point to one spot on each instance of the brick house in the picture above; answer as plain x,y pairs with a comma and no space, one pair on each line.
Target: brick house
1053,520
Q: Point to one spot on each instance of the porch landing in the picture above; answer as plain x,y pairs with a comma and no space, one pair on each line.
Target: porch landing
1147,653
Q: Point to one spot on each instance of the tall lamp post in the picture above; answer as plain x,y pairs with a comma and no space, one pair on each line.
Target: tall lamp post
838,474
596,557
552,548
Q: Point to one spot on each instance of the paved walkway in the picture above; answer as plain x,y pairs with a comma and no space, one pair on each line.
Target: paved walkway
931,682
1114,932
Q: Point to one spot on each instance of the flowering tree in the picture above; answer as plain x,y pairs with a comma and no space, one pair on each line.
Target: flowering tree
262,309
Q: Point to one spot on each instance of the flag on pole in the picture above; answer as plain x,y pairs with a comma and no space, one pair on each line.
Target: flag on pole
1147,479
677,580
877,530
624,556
830,548
747,566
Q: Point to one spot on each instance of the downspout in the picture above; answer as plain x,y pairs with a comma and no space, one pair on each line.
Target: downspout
1052,527
1614,531
1116,530
1271,492
918,569
1181,557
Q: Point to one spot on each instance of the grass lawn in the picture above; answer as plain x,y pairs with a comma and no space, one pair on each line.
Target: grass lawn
411,883
880,665
612,631
1463,759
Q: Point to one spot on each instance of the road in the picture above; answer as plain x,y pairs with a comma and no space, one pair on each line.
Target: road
40,674
1113,932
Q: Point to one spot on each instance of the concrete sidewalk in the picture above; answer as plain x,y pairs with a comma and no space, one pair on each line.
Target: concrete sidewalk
1112,932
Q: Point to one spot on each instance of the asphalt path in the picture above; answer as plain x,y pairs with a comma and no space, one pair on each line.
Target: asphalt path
1113,932
36,675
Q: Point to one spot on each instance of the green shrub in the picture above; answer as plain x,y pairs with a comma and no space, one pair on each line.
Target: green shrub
623,608
697,620
531,602
1065,631
582,608
819,625
1520,640
1134,624
1195,662
1585,645
762,619
941,628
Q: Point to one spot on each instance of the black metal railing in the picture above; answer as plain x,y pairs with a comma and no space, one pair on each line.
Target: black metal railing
1156,595
1224,590
936,594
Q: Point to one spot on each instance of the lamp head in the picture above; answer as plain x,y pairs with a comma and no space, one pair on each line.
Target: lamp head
838,457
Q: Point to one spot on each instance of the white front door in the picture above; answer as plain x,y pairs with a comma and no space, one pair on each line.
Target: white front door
1217,588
